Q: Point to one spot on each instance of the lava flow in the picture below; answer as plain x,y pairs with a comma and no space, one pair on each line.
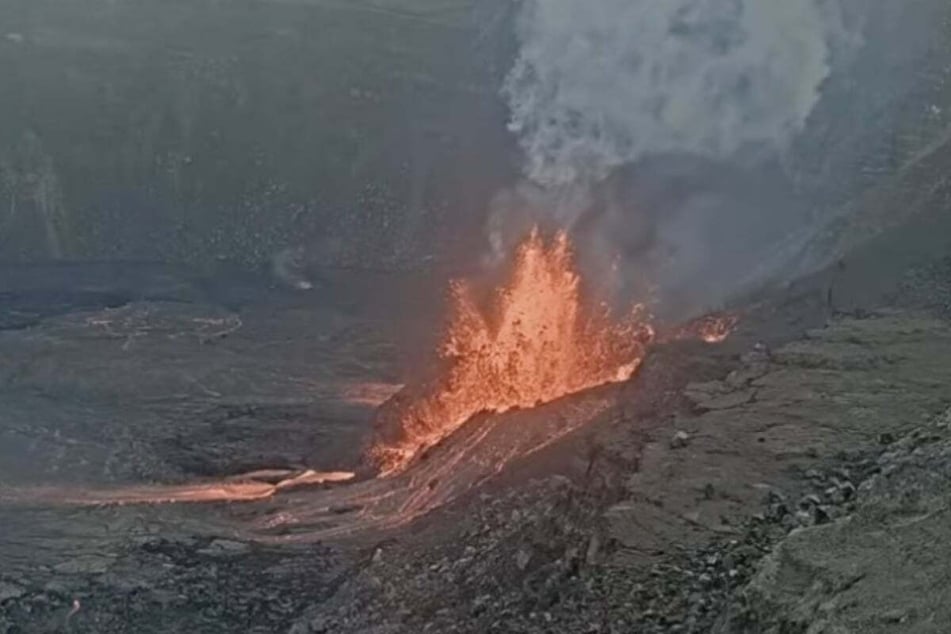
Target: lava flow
534,341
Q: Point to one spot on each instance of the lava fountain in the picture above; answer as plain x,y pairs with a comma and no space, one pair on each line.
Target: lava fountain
534,340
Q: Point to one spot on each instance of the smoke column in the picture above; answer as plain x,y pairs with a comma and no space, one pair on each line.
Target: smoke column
654,131
601,83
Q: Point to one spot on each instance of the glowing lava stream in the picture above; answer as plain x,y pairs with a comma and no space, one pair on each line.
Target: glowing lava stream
237,489
534,341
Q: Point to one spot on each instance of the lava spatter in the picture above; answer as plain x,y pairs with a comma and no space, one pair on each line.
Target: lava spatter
536,339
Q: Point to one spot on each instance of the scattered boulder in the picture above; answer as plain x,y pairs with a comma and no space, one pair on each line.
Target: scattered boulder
225,548
839,572
10,590
85,565
680,440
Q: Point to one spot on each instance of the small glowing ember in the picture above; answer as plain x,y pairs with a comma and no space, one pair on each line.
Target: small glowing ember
533,342
711,329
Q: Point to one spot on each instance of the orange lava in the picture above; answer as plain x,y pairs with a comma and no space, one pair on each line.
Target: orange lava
535,340
249,487
711,328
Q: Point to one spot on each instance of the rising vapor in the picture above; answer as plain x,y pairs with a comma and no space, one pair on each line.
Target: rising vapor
601,83
653,131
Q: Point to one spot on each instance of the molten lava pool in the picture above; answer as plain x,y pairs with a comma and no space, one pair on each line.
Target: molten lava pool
537,338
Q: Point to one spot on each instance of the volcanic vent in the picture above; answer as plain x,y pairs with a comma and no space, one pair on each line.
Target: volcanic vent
534,339
529,340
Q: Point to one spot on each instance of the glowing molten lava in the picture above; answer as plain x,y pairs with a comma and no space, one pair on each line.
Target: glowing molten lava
710,328
534,341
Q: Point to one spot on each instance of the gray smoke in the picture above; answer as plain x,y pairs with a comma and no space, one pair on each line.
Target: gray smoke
601,83
655,130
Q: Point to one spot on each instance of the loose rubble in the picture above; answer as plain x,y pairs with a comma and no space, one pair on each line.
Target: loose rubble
680,440
542,555
880,564
538,562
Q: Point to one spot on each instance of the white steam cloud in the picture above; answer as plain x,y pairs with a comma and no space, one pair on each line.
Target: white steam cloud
601,83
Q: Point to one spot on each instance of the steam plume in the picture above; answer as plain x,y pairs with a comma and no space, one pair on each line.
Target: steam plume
601,83
654,132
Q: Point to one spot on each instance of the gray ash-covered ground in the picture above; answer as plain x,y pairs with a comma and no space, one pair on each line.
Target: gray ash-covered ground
540,567
795,479
174,379
792,479
594,553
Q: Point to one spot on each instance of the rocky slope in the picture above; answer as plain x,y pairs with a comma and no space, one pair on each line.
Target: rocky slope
785,500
